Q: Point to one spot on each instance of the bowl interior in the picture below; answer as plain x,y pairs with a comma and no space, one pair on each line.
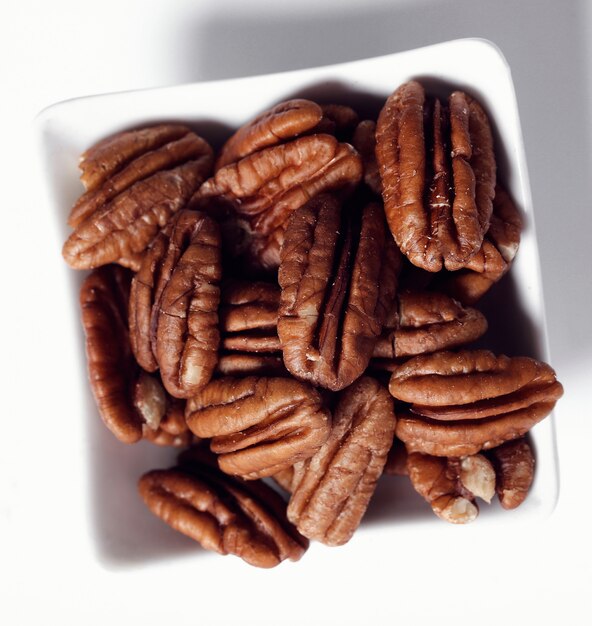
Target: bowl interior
124,532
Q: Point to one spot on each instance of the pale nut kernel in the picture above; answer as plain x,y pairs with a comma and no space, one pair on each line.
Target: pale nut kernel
478,476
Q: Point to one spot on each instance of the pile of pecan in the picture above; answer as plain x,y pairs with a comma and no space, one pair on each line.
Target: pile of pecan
294,312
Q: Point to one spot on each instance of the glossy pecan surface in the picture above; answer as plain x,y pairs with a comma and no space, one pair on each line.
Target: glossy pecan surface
438,174
514,466
236,363
450,485
284,121
494,258
223,514
104,299
248,316
259,426
132,403
364,141
184,289
338,277
265,187
137,181
424,322
471,400
332,489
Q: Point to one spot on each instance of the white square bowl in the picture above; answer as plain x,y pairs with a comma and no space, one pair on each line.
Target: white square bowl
120,529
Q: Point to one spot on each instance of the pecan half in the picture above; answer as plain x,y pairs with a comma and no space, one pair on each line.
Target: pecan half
248,317
467,401
267,186
450,485
131,403
338,276
259,426
111,368
184,320
331,490
423,322
138,180
438,174
108,156
284,121
514,467
364,141
223,514
495,256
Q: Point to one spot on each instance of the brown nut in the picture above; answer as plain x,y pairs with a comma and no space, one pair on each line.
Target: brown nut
248,317
111,368
284,121
364,141
259,426
423,322
514,467
438,183
185,293
338,276
223,514
440,384
138,180
338,120
331,490
468,401
132,404
450,485
267,186
163,416
250,364
493,259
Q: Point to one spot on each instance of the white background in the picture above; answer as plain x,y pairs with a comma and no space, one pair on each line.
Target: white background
55,50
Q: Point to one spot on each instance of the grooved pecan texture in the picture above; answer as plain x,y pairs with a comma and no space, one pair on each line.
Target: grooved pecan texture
250,364
182,282
514,467
423,322
104,299
494,257
450,485
364,141
265,187
248,317
259,426
332,489
338,276
132,403
284,121
136,181
438,174
471,400
223,514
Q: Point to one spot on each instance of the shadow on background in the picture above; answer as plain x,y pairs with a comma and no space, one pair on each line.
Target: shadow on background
545,43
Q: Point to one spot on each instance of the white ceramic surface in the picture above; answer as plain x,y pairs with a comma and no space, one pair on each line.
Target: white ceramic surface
120,529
